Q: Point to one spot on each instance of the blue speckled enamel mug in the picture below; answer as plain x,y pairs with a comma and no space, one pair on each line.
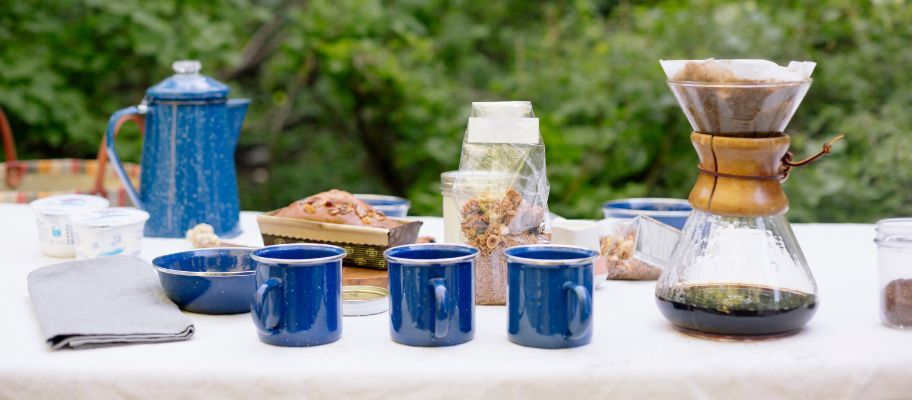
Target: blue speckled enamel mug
549,295
298,301
432,294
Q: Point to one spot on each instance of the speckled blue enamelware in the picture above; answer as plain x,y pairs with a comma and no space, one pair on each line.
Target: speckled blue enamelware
209,281
432,294
549,295
673,212
188,174
392,206
298,300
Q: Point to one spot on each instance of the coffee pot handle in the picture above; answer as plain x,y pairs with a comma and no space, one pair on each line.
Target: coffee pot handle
14,170
441,305
577,317
102,159
266,309
114,124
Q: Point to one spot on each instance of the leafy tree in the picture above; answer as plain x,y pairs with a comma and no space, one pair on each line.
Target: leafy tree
373,96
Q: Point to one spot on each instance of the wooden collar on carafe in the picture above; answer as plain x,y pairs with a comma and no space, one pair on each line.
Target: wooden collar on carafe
787,163
742,176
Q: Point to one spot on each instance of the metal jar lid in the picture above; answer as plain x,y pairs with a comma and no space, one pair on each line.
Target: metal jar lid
364,300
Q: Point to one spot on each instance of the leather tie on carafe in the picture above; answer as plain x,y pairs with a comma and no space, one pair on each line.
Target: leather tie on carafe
788,164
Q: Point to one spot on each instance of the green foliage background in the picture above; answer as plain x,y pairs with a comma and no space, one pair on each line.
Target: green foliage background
373,96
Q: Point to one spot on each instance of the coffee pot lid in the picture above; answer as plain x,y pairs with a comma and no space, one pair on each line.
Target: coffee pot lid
188,84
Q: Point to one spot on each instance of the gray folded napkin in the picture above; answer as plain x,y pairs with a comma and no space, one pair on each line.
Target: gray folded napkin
102,302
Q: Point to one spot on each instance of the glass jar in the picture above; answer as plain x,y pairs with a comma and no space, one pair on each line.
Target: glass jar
450,209
480,182
894,250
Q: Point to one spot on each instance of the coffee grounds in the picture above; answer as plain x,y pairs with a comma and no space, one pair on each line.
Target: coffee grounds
897,302
723,108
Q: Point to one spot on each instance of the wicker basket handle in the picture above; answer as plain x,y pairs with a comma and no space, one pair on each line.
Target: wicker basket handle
14,171
102,159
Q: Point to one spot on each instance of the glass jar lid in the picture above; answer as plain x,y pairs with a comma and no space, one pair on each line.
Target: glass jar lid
188,84
364,300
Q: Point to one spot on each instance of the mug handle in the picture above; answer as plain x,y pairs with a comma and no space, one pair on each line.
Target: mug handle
441,304
576,318
114,124
267,316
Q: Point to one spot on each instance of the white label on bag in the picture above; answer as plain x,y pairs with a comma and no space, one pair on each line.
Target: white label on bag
503,130
655,241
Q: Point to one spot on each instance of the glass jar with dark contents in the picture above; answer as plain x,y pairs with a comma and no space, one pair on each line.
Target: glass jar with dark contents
894,252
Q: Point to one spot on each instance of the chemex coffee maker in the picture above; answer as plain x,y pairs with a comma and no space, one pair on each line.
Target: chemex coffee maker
737,270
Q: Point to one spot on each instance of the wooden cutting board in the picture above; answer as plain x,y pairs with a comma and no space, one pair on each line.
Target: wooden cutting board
353,276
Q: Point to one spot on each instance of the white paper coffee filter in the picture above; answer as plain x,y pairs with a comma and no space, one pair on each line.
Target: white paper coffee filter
746,69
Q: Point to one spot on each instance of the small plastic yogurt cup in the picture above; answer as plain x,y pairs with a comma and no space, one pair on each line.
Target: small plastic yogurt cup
108,232
53,213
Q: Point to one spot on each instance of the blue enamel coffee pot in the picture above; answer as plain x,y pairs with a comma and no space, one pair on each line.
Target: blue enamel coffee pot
188,175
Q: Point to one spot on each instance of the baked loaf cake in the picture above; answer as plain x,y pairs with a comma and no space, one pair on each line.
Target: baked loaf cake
337,207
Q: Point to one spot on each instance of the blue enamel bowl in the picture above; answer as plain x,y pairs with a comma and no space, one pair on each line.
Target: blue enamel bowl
673,212
392,206
209,281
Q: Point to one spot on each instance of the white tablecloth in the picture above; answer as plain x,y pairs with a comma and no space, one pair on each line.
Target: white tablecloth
844,352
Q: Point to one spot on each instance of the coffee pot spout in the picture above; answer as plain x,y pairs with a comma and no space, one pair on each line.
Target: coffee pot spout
237,110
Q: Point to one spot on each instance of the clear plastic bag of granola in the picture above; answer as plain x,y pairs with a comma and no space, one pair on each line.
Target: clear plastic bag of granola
618,247
502,190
